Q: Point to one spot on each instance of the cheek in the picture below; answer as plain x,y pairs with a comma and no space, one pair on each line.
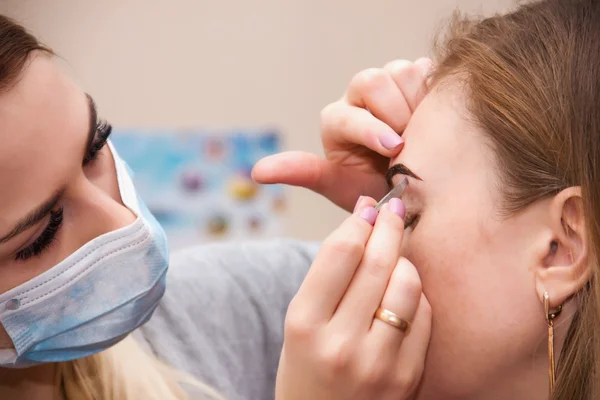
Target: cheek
478,293
443,252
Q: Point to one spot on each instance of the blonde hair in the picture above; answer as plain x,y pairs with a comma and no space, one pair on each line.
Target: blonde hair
533,83
124,372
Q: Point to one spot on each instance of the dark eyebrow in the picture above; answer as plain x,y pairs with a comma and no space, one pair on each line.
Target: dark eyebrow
34,217
93,124
399,169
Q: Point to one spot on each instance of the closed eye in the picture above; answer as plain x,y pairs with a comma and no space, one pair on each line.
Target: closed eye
45,239
411,220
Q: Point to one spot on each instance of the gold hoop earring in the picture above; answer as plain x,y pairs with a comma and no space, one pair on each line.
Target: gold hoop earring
550,315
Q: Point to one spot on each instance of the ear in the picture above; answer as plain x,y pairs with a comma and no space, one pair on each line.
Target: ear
563,267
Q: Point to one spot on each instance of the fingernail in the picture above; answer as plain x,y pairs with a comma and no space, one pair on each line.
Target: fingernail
360,199
397,206
390,140
369,214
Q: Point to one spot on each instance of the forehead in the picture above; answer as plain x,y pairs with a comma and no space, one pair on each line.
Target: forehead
447,151
43,123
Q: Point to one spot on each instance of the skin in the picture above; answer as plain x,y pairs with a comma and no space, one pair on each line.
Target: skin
45,120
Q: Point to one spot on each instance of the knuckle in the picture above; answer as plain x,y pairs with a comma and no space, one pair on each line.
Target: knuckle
407,279
398,67
373,375
342,121
335,119
408,380
368,79
328,111
336,357
297,324
378,262
345,247
402,70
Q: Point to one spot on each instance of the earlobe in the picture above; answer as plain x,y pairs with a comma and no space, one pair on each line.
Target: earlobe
564,269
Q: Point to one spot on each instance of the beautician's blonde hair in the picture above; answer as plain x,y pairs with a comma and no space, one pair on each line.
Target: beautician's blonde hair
533,85
125,371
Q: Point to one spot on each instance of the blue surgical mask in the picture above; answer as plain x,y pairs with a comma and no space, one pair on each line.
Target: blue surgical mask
92,299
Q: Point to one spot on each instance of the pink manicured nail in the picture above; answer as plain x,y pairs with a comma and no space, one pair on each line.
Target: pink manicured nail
360,199
397,206
369,214
390,140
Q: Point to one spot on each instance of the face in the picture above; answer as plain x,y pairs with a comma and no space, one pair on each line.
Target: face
58,179
473,261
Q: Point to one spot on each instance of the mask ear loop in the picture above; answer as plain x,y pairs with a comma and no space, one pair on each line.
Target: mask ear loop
395,192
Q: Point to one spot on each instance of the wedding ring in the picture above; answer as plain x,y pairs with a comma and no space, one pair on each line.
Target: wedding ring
392,319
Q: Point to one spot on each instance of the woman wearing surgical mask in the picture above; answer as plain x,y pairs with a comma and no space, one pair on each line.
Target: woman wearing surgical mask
85,309
82,261
482,282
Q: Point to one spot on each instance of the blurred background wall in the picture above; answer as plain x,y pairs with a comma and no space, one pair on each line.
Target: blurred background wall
222,64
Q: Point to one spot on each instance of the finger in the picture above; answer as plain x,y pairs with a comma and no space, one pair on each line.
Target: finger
325,178
381,255
410,80
413,352
375,90
292,168
402,297
335,264
342,124
426,65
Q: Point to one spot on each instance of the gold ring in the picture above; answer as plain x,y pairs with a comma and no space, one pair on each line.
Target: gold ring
392,319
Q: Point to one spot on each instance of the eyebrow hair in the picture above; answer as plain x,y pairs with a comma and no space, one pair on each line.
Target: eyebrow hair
44,209
399,169
34,216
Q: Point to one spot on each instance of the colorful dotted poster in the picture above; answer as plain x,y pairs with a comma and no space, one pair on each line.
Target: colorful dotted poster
198,184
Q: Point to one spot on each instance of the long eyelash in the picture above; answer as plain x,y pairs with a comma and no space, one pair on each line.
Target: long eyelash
102,133
411,220
45,239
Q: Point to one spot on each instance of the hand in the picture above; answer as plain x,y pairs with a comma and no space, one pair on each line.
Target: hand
334,349
360,133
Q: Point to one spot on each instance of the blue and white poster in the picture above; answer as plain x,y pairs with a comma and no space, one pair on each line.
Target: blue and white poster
198,185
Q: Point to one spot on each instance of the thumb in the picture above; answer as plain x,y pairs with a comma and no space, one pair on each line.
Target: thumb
341,185
294,168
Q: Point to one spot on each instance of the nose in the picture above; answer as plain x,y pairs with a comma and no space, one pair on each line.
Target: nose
94,209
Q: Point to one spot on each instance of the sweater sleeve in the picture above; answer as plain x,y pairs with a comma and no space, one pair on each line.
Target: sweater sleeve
222,316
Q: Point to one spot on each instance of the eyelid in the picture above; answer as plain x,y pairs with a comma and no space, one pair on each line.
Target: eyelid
410,219
44,240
